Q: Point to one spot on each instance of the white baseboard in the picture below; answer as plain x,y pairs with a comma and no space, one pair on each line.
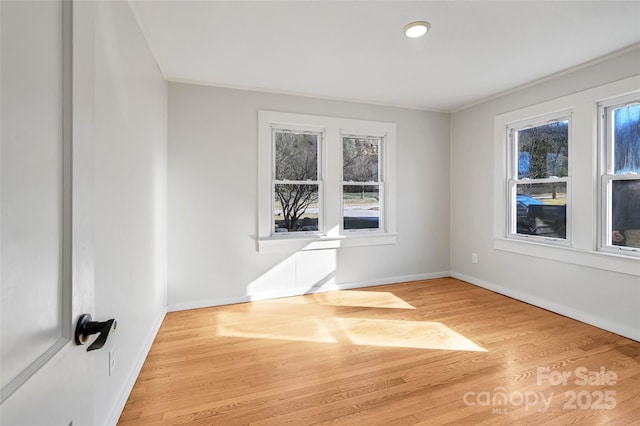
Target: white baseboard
196,304
586,317
125,391
393,280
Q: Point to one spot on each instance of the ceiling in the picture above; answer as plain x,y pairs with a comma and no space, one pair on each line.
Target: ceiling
355,50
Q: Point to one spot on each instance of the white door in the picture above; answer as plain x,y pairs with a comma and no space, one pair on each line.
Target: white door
47,260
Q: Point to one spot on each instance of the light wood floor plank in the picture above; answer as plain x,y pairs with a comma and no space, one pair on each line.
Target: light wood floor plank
426,352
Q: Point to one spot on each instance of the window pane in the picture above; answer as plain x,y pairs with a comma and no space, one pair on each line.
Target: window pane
296,208
625,213
361,206
626,139
296,156
541,209
543,151
360,158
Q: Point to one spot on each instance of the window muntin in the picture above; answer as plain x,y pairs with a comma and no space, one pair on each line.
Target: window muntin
539,179
296,185
621,175
362,185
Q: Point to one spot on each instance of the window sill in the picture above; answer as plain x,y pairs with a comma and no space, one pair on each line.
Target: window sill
306,242
540,240
607,261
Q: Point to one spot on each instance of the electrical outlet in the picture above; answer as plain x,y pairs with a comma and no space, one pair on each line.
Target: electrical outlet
474,257
112,360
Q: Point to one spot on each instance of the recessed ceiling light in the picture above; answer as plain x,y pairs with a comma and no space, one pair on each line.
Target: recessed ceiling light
416,29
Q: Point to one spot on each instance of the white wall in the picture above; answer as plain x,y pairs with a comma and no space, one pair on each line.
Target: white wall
605,298
212,213
124,118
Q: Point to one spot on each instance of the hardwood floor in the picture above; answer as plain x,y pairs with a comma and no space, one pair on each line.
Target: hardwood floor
427,352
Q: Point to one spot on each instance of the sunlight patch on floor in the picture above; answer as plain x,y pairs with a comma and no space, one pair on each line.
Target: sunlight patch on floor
268,326
366,299
330,329
405,334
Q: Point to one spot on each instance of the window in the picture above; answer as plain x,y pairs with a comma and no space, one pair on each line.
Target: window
296,180
324,182
538,181
590,166
620,187
362,186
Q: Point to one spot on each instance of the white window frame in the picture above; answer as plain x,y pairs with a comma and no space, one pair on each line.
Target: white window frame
607,172
513,181
379,183
330,233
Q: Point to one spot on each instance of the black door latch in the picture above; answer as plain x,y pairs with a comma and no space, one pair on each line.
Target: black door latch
85,328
